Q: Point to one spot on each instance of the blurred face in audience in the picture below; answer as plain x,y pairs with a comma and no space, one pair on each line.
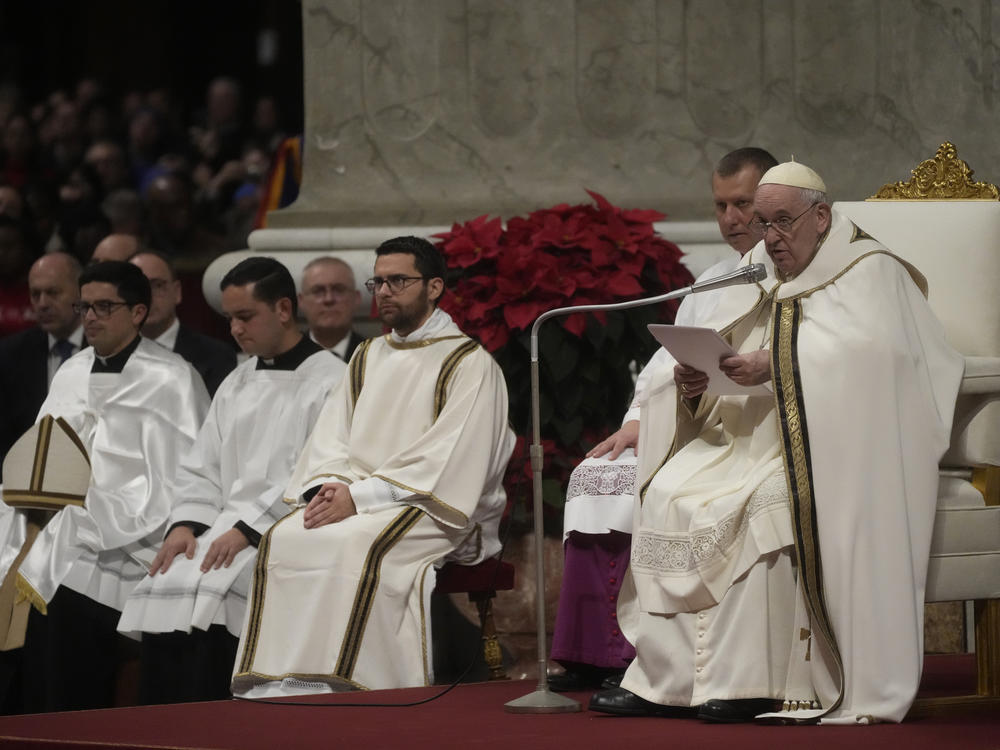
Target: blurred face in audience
169,206
14,257
108,161
52,282
223,103
17,138
11,203
111,333
258,327
166,294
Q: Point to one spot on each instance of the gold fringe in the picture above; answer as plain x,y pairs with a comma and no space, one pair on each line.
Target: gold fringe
26,592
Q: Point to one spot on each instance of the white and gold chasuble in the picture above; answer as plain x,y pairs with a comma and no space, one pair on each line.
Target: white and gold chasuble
418,428
237,470
781,544
135,425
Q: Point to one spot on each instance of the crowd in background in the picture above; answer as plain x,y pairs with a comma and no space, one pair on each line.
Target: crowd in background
83,164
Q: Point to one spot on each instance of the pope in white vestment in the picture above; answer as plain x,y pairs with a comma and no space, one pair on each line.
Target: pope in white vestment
418,430
781,542
235,473
135,425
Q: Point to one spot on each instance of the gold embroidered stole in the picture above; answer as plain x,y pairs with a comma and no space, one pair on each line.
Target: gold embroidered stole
798,472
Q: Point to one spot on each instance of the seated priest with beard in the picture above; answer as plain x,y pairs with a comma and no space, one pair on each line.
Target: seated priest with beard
230,490
403,470
135,408
781,541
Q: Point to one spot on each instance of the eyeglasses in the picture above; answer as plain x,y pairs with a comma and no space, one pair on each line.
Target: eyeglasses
396,284
337,291
102,308
781,225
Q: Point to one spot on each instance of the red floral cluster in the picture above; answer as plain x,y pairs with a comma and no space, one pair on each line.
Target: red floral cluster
581,255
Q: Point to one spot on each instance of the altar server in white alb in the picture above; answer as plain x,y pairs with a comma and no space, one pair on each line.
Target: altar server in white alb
136,408
230,490
402,471
781,543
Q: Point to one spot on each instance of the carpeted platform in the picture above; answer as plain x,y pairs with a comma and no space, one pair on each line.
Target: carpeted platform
470,716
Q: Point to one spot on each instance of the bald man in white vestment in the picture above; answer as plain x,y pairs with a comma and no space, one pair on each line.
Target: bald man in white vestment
230,491
402,470
781,541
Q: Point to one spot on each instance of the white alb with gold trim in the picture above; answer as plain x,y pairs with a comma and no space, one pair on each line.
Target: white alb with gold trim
345,606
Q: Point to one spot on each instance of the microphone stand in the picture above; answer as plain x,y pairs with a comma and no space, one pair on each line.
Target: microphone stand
543,700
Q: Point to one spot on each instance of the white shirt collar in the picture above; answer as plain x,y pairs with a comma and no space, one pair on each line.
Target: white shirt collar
340,348
168,339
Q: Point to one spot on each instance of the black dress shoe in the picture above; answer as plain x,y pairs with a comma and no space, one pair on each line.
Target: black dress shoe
612,681
621,702
571,680
583,677
736,711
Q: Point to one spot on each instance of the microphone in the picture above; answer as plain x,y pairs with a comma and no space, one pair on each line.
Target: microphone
747,275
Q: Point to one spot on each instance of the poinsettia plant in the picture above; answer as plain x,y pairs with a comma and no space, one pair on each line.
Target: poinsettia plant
501,278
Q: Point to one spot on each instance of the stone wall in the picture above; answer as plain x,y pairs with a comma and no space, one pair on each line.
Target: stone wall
430,111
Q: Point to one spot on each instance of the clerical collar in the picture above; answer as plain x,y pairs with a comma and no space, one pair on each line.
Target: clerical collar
115,362
291,359
168,339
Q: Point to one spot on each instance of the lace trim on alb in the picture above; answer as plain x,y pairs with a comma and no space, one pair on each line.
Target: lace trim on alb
671,554
602,479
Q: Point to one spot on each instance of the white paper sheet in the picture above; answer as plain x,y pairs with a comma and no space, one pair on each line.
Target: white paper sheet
703,349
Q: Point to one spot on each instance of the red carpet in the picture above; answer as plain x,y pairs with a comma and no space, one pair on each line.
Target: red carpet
471,716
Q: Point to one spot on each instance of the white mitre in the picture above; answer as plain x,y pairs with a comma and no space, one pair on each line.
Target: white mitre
793,174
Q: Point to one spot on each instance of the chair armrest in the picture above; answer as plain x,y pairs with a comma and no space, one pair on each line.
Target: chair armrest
982,375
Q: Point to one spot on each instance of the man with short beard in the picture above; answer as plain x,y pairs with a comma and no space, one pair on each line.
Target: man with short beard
402,470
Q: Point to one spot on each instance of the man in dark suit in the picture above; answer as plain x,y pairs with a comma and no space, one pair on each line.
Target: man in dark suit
29,359
329,299
210,357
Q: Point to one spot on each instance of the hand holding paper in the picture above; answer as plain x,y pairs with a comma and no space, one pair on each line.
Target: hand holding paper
703,350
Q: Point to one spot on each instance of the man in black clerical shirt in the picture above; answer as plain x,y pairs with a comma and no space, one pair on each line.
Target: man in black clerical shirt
135,407
230,490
